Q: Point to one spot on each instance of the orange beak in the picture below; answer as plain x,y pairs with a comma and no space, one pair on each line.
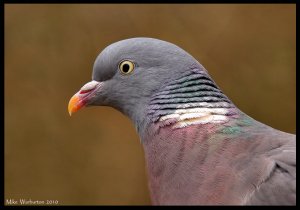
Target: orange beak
81,98
75,104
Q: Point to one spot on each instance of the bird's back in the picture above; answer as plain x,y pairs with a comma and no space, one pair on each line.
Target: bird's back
278,187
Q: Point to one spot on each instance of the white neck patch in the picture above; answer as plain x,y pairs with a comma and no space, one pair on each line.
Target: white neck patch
192,116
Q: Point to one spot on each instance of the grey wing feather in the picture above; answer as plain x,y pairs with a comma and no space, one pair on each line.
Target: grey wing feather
279,187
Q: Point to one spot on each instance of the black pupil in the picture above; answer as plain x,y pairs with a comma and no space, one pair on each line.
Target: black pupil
126,67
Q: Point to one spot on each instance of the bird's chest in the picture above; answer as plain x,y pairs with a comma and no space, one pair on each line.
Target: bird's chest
191,166
175,164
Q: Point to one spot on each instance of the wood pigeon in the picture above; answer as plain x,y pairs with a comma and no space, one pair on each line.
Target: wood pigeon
200,149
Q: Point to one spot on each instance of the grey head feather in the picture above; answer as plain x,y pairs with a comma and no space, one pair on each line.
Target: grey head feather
156,63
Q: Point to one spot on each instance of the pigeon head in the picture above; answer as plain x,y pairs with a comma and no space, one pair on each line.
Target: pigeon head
128,72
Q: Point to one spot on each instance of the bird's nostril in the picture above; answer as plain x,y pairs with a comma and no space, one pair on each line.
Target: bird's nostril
85,91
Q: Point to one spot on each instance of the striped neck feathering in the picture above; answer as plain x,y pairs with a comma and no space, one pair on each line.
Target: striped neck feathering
193,98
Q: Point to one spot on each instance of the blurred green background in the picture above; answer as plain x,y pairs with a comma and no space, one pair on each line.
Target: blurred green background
95,157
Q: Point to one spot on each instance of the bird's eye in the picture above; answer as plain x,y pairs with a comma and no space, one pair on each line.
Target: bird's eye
126,67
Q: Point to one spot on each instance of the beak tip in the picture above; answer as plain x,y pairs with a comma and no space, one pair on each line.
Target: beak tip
70,108
74,105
